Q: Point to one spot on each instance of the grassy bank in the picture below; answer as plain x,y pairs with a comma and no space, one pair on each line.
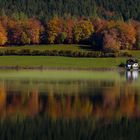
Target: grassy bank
59,62
61,50
17,61
74,47
53,50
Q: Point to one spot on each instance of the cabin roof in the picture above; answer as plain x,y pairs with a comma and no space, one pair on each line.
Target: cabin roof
132,61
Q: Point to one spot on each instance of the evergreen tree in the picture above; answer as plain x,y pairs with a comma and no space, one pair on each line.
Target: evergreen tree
80,8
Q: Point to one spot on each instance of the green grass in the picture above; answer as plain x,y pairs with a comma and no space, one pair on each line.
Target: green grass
72,47
60,62
135,53
60,74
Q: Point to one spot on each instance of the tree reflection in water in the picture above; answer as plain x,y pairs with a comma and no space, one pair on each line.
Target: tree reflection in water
76,110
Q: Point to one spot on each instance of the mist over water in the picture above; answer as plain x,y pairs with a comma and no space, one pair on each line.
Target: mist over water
60,105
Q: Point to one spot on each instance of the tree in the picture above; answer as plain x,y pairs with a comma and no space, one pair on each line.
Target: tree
99,25
127,35
138,39
69,24
97,38
110,44
137,27
82,30
61,38
24,38
123,33
128,9
14,33
3,35
54,28
34,30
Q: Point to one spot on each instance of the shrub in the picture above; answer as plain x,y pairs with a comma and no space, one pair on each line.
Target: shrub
122,65
24,52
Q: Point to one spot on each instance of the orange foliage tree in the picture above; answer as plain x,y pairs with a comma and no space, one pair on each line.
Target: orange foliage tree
127,35
3,35
118,35
54,28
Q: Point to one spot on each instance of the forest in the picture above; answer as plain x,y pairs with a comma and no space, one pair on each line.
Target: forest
106,25
46,9
100,34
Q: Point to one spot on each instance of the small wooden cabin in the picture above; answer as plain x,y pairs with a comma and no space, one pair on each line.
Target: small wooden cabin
132,64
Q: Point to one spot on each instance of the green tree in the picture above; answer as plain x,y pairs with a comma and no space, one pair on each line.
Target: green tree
25,39
61,37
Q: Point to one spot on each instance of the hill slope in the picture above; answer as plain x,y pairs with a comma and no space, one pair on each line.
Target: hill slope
125,9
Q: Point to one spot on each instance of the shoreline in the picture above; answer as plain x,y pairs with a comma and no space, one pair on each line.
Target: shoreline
58,68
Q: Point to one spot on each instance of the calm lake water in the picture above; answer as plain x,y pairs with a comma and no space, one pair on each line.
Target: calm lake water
69,105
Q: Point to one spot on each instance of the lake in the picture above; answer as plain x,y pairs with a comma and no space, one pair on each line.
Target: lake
69,105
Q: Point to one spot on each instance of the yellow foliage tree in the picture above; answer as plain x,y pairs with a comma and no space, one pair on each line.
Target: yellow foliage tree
82,30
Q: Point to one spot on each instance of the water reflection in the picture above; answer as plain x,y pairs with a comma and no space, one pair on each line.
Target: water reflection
132,75
94,99
72,109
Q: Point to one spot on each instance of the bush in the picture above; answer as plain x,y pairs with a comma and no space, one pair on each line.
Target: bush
68,53
10,52
122,65
35,52
125,54
24,52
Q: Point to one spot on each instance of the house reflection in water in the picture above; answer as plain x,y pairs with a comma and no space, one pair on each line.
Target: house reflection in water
132,75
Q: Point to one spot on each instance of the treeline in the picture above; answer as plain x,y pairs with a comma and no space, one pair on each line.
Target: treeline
100,34
42,9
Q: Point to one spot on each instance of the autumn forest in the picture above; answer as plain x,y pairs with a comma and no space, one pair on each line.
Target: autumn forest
100,33
101,25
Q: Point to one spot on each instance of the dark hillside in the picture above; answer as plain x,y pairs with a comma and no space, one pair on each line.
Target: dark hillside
116,9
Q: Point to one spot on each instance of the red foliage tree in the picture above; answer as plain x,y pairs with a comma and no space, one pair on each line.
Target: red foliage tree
34,30
110,42
69,30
